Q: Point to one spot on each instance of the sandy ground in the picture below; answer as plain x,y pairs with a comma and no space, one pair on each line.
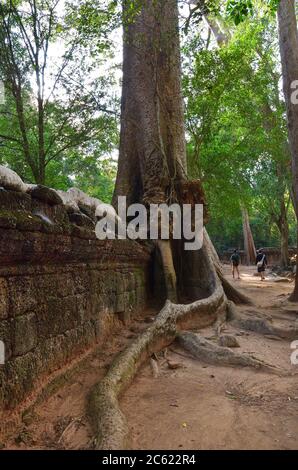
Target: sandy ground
196,406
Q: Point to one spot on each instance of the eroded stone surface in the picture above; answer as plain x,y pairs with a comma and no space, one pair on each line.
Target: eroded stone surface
61,289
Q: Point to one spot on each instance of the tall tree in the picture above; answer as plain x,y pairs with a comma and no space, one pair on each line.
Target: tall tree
288,35
152,159
48,110
237,128
249,244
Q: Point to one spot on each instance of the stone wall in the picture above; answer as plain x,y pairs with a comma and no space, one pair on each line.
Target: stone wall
61,290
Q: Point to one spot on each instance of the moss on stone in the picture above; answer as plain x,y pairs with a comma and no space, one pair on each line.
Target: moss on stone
7,219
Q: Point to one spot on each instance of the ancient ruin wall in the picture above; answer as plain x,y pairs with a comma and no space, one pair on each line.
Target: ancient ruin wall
61,289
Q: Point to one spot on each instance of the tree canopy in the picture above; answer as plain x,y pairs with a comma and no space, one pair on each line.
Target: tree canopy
59,125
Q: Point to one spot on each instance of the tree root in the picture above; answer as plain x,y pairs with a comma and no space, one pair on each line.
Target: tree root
168,268
259,324
109,423
231,292
154,367
211,353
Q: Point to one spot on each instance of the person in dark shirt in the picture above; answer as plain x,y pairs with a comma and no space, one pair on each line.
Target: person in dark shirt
261,262
235,261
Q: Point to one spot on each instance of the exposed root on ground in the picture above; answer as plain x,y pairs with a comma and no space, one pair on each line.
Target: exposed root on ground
154,367
109,423
257,323
211,353
231,292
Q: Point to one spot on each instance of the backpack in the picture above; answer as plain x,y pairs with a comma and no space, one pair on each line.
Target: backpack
235,258
260,263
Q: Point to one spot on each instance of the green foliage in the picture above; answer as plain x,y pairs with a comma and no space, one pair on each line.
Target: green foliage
237,135
92,23
79,110
235,117
239,10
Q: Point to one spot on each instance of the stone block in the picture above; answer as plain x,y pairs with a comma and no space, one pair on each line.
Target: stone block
120,303
28,222
4,303
65,284
55,316
20,376
7,219
45,194
25,334
46,284
13,200
84,307
23,294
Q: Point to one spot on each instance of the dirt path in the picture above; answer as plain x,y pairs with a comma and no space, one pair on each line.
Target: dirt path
195,406
199,406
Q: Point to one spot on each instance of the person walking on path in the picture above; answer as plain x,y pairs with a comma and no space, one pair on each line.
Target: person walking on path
261,262
235,261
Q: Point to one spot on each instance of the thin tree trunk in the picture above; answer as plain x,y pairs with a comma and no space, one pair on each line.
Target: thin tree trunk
22,125
284,248
39,73
220,37
249,244
41,146
283,227
289,58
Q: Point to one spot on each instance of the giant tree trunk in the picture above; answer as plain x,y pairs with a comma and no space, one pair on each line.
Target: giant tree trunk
249,244
152,158
152,142
289,58
152,169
